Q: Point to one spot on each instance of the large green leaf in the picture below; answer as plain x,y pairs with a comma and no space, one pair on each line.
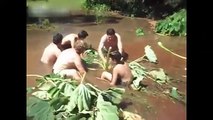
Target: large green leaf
44,95
114,95
150,54
39,110
106,111
159,75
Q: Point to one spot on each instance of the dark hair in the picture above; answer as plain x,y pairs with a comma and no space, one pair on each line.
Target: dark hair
116,55
82,34
110,31
57,38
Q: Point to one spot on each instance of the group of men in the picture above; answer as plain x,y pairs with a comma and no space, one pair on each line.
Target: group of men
64,54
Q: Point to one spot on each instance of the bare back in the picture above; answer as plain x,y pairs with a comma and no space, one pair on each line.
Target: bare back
50,54
69,59
123,72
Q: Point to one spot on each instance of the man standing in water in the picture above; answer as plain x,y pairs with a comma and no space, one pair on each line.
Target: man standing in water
69,62
113,40
121,73
69,40
52,51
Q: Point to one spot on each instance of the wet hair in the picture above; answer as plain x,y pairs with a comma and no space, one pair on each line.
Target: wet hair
82,34
110,31
116,55
57,38
80,46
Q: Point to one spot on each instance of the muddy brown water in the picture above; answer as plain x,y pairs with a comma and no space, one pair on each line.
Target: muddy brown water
150,106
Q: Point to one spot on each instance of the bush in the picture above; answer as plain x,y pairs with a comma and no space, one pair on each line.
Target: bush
173,25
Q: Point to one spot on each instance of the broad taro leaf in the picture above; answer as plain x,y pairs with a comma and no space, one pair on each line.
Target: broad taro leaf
114,95
54,92
106,111
44,95
174,93
160,75
90,55
138,71
78,116
131,116
39,109
72,104
84,98
92,89
68,89
45,85
150,54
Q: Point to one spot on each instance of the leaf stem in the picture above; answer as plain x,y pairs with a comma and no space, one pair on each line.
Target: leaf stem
82,78
161,45
34,75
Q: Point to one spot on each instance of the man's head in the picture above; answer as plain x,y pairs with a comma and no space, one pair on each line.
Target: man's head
82,34
57,38
80,46
110,33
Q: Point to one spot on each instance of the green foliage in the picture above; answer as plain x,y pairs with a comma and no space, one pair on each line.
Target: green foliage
99,9
138,72
139,32
39,109
173,25
106,110
91,56
74,102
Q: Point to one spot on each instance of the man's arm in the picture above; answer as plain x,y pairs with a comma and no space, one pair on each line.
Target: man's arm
120,47
114,76
101,44
79,65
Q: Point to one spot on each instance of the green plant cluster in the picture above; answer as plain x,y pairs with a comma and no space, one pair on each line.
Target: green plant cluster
59,98
173,25
100,10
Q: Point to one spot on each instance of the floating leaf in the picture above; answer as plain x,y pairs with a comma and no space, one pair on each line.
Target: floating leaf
39,110
159,75
150,54
114,94
106,111
174,93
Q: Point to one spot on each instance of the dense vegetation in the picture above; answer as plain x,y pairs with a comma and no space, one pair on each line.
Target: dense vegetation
156,9
173,25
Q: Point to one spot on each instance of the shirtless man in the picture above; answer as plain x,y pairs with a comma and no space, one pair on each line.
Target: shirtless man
69,63
69,40
113,40
121,72
52,51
